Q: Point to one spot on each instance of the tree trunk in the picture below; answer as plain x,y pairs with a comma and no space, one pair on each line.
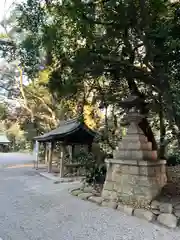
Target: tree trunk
146,128
144,124
162,148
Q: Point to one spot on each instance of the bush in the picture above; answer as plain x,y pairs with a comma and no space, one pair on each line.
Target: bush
173,159
95,172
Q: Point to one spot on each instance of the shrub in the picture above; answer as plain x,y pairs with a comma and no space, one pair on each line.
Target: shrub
173,159
95,171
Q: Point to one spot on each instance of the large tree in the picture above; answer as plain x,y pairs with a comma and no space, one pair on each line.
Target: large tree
132,45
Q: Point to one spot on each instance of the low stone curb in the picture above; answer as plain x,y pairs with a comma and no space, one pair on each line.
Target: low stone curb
158,212
57,180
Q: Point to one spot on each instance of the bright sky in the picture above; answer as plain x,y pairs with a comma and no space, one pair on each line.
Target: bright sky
5,6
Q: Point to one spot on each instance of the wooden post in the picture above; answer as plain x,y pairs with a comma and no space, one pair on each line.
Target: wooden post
61,170
50,154
36,153
46,153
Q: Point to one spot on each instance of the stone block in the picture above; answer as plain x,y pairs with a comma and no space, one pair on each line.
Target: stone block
116,177
130,179
138,190
114,196
156,212
108,185
133,170
168,220
147,171
76,192
166,208
125,209
134,145
177,213
147,181
109,173
106,194
127,189
163,168
95,199
84,196
177,206
135,138
125,198
116,168
155,204
144,214
88,189
125,169
109,204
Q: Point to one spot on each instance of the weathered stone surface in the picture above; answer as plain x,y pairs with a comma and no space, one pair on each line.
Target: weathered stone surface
109,204
156,212
95,199
108,185
168,220
166,208
125,209
84,196
144,214
76,192
129,168
155,205
177,213
110,195
88,189
106,194
177,206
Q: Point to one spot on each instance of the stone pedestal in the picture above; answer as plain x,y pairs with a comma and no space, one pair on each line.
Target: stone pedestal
134,175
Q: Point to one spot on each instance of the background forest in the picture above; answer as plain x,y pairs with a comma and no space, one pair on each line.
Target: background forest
58,54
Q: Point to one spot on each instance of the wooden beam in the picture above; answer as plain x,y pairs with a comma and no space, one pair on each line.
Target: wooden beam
46,153
50,154
36,153
61,170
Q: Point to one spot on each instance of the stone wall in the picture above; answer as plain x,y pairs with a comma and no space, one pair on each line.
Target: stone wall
134,182
172,187
173,174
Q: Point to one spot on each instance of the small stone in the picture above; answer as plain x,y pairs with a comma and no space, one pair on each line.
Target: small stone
125,209
56,182
144,214
168,220
109,204
84,196
95,199
156,212
177,213
166,208
177,206
76,192
155,205
88,189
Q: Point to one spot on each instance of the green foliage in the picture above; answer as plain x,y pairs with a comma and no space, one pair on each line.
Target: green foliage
95,171
174,159
3,111
101,48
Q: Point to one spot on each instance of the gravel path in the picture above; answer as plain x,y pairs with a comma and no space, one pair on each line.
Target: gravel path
33,208
15,158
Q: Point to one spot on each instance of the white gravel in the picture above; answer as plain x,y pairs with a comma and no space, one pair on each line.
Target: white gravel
33,208
15,158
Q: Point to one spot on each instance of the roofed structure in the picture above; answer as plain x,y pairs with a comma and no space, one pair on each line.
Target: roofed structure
70,131
3,139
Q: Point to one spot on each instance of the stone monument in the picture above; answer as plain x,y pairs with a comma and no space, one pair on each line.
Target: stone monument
134,176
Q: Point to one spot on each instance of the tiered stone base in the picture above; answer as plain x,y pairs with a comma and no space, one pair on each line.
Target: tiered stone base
133,182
